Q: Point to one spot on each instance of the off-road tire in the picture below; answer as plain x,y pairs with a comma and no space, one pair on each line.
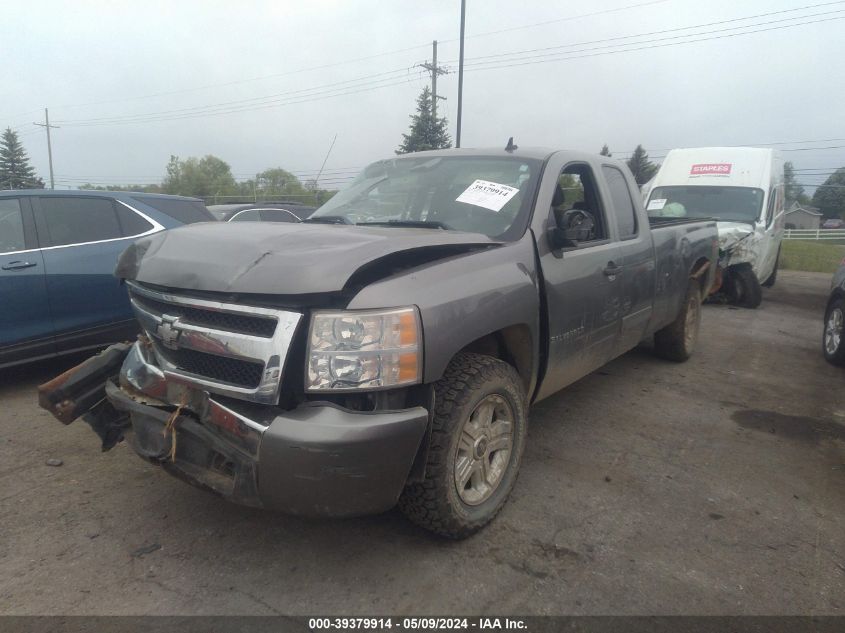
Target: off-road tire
836,356
434,503
744,288
677,340
770,281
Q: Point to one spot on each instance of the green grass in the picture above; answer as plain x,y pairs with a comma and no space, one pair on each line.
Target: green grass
810,256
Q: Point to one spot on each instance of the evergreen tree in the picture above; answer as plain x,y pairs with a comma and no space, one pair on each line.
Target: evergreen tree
15,170
792,190
830,197
605,151
425,132
642,168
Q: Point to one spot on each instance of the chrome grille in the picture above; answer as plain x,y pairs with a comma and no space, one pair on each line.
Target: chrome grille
257,326
224,348
230,370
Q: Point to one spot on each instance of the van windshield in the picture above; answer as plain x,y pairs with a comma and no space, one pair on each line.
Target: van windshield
728,204
476,194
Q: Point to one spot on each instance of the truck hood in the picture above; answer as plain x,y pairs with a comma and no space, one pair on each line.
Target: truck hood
285,259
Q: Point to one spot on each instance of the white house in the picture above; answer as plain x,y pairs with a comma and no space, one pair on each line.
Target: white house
799,216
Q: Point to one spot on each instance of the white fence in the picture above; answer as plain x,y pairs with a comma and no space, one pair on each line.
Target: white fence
814,234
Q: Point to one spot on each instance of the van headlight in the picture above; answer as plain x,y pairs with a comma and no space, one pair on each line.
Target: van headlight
371,349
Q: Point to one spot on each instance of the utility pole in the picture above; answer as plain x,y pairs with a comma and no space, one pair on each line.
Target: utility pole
317,195
46,125
435,70
461,74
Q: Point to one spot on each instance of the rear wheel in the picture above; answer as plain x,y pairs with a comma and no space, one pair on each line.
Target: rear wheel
677,340
477,439
832,342
744,288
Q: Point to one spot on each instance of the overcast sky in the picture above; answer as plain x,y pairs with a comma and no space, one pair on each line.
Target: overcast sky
285,76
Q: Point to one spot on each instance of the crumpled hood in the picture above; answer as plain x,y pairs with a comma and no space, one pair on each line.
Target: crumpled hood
277,258
732,232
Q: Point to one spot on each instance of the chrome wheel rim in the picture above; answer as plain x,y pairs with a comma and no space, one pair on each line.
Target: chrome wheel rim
484,450
690,329
833,331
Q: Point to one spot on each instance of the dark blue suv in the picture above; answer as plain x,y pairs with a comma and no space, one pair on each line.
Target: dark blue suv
58,250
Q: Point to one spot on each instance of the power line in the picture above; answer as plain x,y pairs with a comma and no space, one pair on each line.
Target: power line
566,19
673,30
321,92
254,100
152,118
540,59
250,80
810,149
339,63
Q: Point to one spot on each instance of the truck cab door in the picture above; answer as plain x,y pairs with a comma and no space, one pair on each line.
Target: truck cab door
636,251
773,225
582,285
26,329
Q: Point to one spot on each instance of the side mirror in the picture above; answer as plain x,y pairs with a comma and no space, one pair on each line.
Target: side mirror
566,233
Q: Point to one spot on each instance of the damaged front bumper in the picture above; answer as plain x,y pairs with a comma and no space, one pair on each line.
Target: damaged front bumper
317,459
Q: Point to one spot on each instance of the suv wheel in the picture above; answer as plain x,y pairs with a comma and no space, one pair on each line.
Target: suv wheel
832,343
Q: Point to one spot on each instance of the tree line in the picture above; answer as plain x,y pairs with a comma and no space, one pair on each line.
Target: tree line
210,177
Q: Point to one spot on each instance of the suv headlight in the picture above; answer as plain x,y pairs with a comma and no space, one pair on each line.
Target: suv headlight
370,349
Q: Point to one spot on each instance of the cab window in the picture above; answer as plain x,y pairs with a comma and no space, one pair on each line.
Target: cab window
576,202
278,215
623,205
773,205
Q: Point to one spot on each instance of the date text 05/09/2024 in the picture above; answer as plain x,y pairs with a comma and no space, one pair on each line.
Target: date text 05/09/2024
415,624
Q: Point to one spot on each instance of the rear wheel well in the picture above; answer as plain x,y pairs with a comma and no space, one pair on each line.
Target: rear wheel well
698,273
512,345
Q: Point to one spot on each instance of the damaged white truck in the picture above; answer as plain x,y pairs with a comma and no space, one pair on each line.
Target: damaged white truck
742,188
387,348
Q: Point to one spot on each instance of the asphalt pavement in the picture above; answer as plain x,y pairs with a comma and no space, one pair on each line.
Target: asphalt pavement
716,486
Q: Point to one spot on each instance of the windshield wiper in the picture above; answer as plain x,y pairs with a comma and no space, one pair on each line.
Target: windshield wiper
417,224
328,219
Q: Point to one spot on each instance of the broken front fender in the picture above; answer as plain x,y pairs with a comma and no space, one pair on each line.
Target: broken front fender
739,243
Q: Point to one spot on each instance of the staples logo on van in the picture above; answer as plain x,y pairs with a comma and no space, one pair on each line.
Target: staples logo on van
711,169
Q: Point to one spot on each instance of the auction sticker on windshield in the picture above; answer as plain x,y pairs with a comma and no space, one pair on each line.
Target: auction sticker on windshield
490,195
656,204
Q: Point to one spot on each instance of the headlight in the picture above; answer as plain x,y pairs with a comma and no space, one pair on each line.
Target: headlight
364,350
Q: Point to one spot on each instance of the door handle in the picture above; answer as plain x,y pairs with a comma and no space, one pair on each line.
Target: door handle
18,265
611,270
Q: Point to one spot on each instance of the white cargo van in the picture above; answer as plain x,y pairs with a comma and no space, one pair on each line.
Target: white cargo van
742,188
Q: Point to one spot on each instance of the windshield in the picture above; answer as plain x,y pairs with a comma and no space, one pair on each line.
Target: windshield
489,195
728,204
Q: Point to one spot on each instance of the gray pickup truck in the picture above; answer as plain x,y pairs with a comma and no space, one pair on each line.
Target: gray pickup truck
387,349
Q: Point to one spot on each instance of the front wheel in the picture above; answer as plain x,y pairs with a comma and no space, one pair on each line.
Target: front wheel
477,439
832,343
744,289
677,340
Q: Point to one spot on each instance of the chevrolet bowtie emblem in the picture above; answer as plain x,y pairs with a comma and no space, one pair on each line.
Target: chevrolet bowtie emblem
168,333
